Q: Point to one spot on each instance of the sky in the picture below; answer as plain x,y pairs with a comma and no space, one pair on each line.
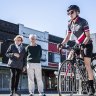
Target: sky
46,15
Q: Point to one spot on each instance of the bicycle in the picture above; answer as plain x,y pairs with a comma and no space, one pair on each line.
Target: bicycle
71,68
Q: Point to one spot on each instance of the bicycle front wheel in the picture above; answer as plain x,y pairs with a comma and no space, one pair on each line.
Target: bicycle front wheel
66,78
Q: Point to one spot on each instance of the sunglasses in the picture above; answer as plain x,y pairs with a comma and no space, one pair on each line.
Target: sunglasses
70,13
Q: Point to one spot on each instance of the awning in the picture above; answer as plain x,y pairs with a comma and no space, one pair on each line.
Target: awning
4,65
43,67
50,68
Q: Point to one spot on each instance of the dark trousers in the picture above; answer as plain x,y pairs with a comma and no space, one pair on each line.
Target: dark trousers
15,75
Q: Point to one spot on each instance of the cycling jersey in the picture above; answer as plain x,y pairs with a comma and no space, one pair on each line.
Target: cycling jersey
78,29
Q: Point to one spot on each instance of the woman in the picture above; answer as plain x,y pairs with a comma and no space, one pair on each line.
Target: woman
16,53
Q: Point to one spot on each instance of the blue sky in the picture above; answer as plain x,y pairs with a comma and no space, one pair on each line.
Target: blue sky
46,15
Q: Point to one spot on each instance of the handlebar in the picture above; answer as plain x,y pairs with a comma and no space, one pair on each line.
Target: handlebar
77,46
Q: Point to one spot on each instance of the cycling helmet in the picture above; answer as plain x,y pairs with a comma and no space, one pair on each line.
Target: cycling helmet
73,7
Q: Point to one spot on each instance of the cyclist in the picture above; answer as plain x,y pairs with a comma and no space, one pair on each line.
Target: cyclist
80,28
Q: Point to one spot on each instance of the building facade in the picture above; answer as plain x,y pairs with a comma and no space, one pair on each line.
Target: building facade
50,56
49,60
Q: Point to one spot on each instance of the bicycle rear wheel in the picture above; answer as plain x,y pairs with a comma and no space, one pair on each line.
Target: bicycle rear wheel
66,78
93,65
94,68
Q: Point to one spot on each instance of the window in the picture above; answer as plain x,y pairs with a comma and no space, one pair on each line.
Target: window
0,47
0,52
44,57
0,81
63,57
56,58
4,48
50,57
53,57
6,80
23,81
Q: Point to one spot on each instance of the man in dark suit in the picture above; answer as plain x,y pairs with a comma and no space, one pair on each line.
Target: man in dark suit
16,53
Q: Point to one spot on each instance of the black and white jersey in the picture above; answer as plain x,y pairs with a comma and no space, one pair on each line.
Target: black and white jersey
78,29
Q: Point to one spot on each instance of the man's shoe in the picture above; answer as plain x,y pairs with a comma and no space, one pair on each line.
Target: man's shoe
91,91
42,94
31,95
17,93
84,92
11,93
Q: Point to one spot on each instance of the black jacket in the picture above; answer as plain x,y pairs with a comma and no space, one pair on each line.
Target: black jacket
13,61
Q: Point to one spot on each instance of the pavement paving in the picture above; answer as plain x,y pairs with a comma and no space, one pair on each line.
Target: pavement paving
46,95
